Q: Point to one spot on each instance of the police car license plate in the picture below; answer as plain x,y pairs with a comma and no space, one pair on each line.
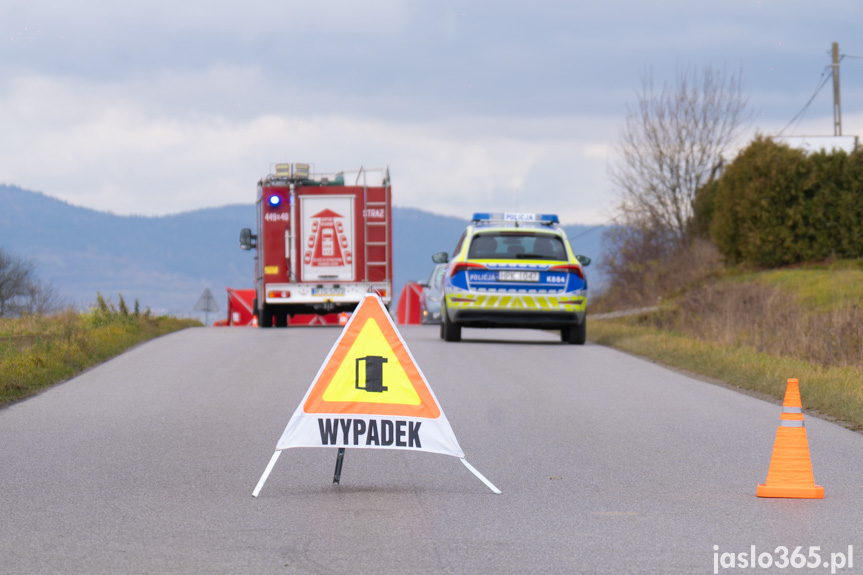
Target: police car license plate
325,291
517,276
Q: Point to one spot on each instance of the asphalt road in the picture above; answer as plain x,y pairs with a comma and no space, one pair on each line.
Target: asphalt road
607,463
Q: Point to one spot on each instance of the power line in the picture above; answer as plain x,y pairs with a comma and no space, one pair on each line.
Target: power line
806,106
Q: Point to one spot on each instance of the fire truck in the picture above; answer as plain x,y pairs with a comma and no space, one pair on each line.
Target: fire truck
323,241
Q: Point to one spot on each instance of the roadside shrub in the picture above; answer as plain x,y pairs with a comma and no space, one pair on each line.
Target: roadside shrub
848,207
776,205
104,312
703,209
758,210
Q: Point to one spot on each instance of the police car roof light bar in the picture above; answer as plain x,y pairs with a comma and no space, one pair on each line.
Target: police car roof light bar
515,218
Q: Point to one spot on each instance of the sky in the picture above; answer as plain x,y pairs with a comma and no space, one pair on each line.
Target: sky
160,107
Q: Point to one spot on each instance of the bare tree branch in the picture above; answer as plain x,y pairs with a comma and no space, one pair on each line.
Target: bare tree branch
15,275
673,143
43,298
21,291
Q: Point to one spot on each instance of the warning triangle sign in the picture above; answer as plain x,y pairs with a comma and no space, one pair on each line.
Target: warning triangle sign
370,371
370,394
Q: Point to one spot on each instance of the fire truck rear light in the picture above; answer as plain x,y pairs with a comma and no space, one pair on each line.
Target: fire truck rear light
274,201
279,294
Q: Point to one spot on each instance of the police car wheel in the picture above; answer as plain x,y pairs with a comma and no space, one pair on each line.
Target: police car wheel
448,330
575,334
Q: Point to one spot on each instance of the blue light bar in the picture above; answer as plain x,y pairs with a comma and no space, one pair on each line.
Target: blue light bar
546,219
274,201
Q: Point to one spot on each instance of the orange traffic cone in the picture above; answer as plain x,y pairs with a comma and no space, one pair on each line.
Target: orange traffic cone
790,473
343,318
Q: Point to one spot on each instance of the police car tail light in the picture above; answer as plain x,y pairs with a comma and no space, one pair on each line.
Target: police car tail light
464,266
569,268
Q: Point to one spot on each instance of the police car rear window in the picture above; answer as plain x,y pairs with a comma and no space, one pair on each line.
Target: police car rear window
519,245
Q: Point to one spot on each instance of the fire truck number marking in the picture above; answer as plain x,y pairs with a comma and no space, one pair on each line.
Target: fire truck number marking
271,217
376,213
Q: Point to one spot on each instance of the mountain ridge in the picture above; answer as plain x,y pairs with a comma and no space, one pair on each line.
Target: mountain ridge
166,261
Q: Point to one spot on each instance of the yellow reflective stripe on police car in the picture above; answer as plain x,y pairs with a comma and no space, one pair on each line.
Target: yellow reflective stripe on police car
516,302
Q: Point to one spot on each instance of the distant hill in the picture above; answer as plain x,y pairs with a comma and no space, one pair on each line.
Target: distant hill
166,262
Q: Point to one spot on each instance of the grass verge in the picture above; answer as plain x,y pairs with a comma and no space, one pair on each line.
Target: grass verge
820,286
835,392
40,351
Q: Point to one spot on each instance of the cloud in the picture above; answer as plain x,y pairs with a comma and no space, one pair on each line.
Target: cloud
423,59
100,146
156,107
140,147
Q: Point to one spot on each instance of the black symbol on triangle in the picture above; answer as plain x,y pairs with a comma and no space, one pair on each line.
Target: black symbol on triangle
374,373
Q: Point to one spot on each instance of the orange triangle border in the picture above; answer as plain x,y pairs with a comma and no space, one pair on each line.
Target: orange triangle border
428,407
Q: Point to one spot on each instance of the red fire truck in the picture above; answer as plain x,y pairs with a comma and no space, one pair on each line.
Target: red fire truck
323,241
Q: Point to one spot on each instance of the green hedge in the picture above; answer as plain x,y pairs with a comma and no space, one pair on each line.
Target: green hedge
775,205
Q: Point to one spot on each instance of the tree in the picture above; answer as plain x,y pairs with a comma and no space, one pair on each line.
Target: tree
42,298
775,205
20,289
15,279
672,144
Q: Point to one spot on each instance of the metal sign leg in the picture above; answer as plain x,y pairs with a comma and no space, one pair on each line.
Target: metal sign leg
340,458
266,474
480,476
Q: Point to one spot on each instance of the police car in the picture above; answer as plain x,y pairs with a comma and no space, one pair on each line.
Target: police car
514,270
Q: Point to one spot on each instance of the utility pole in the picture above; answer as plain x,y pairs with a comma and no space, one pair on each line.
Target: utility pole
837,107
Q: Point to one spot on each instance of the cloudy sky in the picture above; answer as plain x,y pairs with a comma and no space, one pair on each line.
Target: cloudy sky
162,106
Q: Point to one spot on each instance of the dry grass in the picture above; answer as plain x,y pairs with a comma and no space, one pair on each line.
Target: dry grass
753,329
820,286
835,392
38,351
641,278
757,330
770,320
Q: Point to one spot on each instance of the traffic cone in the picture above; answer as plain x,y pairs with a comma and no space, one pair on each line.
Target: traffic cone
790,473
343,318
